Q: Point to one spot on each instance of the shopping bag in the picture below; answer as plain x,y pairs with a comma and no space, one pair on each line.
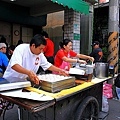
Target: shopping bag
105,105
107,90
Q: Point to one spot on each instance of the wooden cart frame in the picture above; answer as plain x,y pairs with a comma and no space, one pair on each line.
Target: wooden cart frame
84,104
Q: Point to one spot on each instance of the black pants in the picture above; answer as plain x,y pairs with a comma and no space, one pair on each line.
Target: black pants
51,60
41,71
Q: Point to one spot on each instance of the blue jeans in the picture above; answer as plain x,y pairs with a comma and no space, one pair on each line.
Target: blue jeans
118,92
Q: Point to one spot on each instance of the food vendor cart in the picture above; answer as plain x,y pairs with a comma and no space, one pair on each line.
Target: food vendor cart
81,102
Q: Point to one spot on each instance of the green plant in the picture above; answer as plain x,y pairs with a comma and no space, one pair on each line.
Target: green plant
105,53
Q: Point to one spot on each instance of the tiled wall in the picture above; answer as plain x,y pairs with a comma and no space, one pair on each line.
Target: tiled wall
72,28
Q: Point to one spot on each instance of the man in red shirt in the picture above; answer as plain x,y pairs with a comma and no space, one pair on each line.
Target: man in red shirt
49,49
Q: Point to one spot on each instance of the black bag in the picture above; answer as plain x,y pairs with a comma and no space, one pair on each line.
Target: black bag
117,81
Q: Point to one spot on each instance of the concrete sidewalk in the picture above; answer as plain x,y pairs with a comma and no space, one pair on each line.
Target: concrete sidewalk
114,109
113,114
11,114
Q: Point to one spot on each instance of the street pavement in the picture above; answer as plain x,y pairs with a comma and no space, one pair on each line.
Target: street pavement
113,114
114,109
11,114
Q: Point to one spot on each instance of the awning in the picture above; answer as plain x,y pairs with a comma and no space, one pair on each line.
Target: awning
77,5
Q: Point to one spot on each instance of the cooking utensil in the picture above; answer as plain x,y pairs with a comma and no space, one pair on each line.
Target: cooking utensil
101,70
55,83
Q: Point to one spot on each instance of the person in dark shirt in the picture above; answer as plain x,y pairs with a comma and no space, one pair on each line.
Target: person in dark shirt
97,53
10,51
19,42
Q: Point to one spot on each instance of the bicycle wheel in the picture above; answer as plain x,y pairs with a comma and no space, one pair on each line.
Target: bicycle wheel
88,109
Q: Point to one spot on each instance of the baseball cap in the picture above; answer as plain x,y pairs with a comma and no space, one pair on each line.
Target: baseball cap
95,43
2,45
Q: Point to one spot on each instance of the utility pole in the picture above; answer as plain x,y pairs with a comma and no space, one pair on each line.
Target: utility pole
113,29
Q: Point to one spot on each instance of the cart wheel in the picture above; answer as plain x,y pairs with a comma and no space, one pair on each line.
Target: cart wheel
88,109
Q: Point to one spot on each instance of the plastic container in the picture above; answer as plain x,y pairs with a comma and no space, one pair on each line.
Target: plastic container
89,69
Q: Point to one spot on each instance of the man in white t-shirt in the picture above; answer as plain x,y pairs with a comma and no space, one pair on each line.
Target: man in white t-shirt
27,58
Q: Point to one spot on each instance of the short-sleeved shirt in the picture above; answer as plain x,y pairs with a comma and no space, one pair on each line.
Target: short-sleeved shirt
3,61
97,54
60,54
49,48
23,56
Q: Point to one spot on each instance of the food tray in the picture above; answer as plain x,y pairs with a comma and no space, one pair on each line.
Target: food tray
54,83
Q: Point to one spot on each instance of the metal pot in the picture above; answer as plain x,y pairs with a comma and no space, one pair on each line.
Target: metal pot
101,70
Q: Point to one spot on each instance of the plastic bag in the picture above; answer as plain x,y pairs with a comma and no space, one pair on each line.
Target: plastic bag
107,90
105,105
